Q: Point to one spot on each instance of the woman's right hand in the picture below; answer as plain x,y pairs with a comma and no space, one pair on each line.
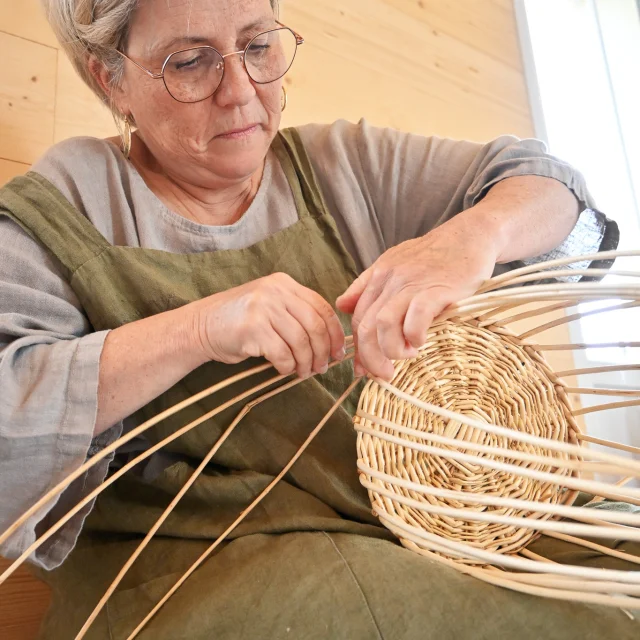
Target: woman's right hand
291,326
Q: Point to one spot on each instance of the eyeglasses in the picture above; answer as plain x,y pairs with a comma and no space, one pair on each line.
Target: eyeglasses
192,75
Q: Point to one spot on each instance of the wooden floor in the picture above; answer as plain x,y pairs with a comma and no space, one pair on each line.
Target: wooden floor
24,601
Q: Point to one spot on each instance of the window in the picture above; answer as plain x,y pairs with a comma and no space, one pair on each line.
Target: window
582,60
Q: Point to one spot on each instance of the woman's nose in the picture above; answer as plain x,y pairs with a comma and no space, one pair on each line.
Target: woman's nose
236,87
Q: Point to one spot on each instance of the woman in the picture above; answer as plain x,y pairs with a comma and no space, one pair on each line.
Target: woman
136,272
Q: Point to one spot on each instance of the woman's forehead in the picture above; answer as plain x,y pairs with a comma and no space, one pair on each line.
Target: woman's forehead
161,24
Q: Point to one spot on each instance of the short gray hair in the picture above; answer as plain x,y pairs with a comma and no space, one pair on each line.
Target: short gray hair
95,27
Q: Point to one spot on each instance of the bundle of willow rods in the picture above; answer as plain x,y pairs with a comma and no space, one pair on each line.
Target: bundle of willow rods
469,453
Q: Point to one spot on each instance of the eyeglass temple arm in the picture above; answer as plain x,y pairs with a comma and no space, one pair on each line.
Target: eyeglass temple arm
150,73
299,38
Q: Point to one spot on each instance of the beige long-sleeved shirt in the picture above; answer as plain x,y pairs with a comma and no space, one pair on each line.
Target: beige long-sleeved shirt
381,186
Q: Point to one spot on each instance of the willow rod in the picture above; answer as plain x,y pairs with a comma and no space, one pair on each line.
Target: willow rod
511,454
194,476
621,517
512,434
592,486
61,486
246,512
543,526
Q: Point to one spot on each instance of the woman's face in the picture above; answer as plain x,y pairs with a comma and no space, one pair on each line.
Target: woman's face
194,142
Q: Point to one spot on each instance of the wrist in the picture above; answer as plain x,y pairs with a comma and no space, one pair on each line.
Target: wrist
484,228
187,334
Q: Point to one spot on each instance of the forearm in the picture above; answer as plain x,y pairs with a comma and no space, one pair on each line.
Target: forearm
526,216
143,359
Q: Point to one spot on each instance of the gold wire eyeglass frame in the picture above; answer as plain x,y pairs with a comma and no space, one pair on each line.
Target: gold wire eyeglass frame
241,52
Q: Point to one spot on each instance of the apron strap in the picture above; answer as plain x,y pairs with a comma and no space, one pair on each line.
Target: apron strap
290,151
47,216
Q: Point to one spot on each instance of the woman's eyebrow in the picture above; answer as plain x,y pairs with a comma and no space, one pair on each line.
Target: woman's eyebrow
178,41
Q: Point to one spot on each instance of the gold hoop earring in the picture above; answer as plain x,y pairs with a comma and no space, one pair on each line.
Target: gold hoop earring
285,98
126,138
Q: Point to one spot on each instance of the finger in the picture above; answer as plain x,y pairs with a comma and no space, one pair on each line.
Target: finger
390,327
316,329
349,299
421,313
374,291
298,341
331,320
369,352
277,352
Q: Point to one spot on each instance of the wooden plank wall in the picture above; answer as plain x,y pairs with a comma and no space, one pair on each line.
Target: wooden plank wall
445,67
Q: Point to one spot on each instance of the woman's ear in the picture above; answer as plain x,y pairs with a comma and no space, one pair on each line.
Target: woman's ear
102,76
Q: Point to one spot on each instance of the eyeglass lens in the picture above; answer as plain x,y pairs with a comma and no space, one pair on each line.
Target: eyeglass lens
195,74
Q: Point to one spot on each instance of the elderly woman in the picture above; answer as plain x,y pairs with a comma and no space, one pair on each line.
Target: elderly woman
138,271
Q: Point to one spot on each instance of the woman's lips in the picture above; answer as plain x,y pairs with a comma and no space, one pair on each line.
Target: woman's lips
238,133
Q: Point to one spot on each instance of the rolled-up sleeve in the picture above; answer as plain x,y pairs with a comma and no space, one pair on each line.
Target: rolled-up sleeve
49,370
411,184
508,157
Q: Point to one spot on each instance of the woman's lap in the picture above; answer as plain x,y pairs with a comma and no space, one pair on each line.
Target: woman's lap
317,585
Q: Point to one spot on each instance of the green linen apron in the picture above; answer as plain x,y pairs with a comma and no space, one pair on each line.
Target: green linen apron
311,561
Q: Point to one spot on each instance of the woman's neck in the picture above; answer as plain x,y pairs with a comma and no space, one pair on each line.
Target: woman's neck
214,207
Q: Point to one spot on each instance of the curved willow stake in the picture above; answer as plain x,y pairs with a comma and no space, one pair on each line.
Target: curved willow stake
542,525
45,536
604,407
472,308
247,511
506,278
589,486
614,553
558,273
609,443
557,588
556,291
543,579
419,537
575,513
528,314
526,553
577,316
500,452
497,310
512,434
583,345
61,486
194,476
560,289
614,368
635,393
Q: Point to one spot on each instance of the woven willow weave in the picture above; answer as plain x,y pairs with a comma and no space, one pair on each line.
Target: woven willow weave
471,452
482,374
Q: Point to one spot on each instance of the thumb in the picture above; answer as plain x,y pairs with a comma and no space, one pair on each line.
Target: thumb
349,299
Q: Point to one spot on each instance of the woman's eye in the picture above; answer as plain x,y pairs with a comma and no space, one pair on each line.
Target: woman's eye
258,48
186,64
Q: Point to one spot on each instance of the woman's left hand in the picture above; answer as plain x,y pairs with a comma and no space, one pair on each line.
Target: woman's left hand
395,301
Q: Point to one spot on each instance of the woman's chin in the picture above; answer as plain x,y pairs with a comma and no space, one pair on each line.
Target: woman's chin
237,162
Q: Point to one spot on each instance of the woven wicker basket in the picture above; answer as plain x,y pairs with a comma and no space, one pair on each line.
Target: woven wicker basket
471,452
474,450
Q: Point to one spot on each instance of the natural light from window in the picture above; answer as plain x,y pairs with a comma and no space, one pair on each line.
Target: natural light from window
583,59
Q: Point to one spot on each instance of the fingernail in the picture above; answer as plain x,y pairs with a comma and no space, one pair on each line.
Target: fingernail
342,354
324,369
358,370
